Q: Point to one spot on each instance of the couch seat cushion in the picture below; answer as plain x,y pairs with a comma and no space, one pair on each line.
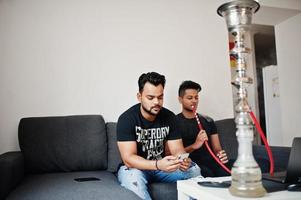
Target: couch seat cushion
58,186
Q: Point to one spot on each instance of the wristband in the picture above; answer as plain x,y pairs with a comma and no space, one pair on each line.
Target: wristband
157,165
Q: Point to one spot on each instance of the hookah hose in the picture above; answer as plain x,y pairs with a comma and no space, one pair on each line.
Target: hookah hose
207,145
257,125
267,147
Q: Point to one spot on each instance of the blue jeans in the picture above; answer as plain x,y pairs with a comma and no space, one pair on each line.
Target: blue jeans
137,180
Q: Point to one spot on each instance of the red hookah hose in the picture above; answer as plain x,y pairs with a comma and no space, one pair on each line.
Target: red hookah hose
267,147
207,145
258,127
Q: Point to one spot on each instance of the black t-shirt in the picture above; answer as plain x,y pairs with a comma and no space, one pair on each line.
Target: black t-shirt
189,130
149,135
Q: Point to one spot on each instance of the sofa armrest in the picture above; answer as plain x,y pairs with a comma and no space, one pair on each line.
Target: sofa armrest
280,155
11,172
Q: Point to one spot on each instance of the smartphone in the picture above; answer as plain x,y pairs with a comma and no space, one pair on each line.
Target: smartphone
224,184
86,179
183,156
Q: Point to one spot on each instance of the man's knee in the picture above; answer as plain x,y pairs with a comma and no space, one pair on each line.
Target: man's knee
134,180
129,175
194,170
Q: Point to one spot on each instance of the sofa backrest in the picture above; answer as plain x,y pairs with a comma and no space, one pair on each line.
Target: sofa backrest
114,158
226,129
67,143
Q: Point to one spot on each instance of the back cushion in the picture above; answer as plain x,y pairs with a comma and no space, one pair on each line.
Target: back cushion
68,143
226,129
114,158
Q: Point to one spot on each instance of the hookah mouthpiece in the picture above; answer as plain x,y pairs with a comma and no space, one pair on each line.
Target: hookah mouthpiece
197,117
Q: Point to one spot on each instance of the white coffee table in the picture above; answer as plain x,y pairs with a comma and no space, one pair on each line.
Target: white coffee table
190,188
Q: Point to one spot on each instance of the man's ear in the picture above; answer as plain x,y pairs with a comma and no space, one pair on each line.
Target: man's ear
139,96
180,99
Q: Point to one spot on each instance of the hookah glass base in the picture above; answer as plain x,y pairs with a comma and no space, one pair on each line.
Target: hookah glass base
251,187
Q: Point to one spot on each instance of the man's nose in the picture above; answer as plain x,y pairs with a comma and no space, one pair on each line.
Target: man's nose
156,101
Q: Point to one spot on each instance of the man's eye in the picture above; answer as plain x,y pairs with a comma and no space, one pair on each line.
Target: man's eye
150,98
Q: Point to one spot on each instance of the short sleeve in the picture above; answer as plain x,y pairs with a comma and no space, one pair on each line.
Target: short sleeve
210,126
213,128
125,129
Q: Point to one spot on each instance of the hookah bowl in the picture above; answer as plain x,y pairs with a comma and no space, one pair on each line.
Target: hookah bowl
246,174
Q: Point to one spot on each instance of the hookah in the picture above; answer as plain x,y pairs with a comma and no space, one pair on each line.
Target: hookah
246,174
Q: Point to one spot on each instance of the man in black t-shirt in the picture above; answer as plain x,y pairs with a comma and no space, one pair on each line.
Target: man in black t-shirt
193,138
144,131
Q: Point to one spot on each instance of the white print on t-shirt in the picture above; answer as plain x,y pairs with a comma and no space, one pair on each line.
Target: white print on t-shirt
152,140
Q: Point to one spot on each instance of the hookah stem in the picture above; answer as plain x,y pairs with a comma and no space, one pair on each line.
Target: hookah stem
267,147
207,145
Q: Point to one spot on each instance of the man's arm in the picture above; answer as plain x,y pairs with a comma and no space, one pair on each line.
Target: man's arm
199,141
128,151
216,145
217,148
190,148
176,148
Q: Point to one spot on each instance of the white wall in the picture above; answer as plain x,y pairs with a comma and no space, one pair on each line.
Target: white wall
63,57
286,4
289,68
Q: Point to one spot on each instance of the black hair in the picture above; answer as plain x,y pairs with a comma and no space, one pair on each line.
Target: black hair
152,77
188,85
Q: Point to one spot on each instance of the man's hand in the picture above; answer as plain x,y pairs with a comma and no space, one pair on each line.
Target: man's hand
169,164
200,139
185,164
222,156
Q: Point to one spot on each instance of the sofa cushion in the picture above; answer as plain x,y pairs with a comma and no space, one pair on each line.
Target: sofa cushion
280,155
114,158
68,143
55,186
226,129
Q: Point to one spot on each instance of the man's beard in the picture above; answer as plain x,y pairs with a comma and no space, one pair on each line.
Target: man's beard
150,110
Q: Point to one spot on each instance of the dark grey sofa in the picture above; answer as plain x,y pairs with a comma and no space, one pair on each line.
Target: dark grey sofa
55,150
